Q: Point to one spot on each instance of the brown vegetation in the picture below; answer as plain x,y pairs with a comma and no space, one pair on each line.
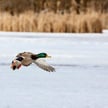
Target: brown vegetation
19,6
77,16
51,22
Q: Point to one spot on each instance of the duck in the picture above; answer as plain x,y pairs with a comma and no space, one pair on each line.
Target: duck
27,58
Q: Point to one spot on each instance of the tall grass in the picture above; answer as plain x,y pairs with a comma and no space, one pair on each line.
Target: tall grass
74,16
52,22
104,19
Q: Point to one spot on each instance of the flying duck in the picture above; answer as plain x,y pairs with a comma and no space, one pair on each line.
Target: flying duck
27,58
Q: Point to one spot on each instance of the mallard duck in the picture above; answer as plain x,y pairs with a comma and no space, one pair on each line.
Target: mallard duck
27,58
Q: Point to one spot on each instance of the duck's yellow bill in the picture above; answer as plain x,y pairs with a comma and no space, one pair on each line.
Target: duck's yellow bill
48,56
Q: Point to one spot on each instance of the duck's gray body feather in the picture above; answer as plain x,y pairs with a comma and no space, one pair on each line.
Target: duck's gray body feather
27,60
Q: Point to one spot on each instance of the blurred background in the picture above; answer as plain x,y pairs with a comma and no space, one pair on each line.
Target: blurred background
73,16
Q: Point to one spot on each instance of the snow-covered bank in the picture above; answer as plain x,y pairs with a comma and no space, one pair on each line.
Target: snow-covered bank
105,31
80,80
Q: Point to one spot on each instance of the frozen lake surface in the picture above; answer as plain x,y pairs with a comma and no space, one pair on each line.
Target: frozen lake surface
80,80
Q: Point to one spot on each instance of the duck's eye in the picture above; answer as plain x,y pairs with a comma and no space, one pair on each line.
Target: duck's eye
19,58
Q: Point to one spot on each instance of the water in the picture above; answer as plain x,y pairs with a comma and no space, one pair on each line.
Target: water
80,80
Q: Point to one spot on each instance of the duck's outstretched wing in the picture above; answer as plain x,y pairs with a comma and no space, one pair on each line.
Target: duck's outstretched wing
43,65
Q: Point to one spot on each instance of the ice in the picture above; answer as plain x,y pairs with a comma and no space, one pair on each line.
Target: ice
80,80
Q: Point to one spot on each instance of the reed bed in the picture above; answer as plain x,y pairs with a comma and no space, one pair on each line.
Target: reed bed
104,19
53,22
71,16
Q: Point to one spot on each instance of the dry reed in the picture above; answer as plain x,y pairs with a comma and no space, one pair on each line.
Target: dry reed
51,22
74,16
104,19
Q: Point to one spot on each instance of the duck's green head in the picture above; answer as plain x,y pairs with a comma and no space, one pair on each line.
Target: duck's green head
43,55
